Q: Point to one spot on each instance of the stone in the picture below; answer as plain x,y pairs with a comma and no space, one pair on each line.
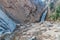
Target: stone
38,32
33,38
22,11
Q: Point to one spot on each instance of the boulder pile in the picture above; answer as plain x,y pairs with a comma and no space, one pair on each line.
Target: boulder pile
38,31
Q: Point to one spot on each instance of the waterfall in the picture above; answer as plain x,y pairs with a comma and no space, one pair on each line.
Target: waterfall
40,4
43,16
6,24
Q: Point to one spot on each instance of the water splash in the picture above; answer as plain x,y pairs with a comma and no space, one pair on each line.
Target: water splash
6,24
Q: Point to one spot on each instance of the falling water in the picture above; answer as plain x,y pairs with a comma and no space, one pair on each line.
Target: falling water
6,24
40,5
43,16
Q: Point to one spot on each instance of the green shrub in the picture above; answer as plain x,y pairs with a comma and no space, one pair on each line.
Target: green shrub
56,14
51,5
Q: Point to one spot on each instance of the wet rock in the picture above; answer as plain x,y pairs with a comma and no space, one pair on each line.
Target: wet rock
33,38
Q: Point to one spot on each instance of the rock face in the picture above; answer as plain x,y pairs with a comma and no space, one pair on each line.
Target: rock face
23,10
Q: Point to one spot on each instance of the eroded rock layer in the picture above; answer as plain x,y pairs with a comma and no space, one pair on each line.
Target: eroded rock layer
23,10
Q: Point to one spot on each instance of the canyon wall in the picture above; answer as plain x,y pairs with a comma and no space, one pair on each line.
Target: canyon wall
23,11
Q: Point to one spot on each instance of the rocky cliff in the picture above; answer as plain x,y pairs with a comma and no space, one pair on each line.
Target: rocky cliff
23,10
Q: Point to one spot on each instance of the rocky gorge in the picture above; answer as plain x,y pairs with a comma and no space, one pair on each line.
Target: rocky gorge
27,20
23,11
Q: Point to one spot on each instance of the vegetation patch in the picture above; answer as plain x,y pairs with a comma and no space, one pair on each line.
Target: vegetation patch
56,14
